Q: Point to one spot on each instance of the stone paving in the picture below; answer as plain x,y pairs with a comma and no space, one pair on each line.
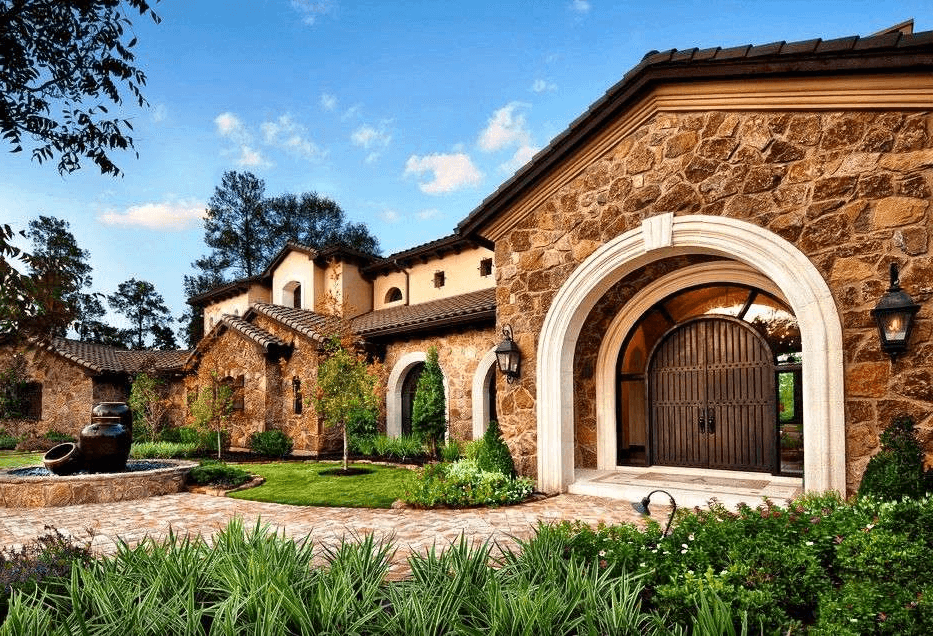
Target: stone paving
410,530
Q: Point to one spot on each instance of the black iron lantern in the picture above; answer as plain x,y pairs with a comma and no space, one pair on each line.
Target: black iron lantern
641,507
894,314
508,356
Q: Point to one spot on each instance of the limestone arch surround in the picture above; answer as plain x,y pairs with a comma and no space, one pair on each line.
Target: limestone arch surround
394,391
788,270
485,373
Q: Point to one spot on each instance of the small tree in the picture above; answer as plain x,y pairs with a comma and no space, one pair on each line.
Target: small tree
149,404
428,413
211,409
13,378
347,394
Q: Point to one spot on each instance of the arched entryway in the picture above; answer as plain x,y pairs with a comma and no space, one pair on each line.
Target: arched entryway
409,388
483,393
396,390
768,255
712,401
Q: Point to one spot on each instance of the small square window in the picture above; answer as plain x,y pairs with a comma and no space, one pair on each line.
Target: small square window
485,267
439,279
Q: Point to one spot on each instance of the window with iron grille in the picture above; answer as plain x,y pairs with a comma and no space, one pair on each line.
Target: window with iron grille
485,267
439,279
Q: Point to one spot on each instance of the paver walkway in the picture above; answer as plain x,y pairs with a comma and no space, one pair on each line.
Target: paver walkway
411,530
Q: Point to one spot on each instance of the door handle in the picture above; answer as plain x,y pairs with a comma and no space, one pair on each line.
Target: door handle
711,420
701,423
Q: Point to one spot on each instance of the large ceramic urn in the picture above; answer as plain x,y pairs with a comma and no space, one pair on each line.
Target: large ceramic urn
105,442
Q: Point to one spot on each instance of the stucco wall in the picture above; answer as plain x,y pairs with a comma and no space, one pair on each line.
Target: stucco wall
850,190
459,353
235,306
461,276
298,267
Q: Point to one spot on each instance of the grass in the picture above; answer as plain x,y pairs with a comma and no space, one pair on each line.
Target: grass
302,484
15,459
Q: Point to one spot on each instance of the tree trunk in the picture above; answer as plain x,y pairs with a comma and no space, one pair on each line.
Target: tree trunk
346,452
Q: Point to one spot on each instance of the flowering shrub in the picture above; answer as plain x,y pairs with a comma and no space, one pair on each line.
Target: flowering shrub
463,483
820,564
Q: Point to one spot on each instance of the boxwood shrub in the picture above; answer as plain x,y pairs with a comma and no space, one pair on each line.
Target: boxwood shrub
270,444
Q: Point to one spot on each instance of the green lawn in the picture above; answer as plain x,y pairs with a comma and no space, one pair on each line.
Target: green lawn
301,484
14,459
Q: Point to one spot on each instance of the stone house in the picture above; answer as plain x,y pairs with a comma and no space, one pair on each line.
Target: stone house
689,272
66,378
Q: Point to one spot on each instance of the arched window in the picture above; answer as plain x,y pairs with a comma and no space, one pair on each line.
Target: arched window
297,396
291,294
393,295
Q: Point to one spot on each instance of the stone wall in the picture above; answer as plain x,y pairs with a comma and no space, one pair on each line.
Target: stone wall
67,394
851,190
459,353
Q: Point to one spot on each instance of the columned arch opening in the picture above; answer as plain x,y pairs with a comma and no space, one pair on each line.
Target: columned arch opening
400,389
761,258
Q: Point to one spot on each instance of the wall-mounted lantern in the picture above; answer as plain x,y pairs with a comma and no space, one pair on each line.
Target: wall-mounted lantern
894,314
508,356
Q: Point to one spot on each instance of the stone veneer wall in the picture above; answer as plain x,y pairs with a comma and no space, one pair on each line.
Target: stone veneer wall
850,189
67,394
459,352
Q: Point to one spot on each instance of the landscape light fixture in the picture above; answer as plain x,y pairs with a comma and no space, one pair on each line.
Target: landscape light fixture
508,356
641,507
894,315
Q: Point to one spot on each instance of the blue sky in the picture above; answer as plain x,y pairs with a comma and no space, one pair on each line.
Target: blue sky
408,114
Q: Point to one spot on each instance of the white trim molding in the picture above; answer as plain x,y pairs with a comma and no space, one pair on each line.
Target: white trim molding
792,276
394,391
479,396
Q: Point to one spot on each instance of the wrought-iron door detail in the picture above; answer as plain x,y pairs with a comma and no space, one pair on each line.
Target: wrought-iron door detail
712,395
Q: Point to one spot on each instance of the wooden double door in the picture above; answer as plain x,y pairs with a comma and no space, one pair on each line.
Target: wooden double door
711,389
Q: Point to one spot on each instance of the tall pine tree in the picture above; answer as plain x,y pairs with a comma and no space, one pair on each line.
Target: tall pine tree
429,412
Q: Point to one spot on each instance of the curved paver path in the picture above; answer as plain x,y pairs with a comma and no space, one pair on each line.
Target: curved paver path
412,530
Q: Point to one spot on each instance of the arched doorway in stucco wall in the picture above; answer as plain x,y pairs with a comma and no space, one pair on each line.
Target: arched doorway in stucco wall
780,264
396,390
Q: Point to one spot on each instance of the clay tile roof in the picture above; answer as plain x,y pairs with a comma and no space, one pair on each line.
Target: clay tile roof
313,325
260,336
107,359
456,309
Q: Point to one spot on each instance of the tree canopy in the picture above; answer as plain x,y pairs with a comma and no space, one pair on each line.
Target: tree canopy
145,308
61,63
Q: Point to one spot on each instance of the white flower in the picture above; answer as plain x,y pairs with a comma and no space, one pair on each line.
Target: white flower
809,543
690,537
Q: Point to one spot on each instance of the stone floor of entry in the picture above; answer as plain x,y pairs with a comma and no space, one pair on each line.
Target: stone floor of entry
410,530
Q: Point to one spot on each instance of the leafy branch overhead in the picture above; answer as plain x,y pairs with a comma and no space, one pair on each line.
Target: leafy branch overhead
62,62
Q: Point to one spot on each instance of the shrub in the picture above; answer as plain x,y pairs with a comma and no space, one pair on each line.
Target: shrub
58,437
428,412
365,445
7,441
214,473
451,451
270,444
162,450
897,470
494,455
463,483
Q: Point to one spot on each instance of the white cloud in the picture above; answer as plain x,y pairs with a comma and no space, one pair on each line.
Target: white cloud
290,136
229,125
310,11
506,128
351,113
580,6
451,172
373,156
430,213
542,86
522,156
159,113
167,215
251,158
390,216
328,102
368,137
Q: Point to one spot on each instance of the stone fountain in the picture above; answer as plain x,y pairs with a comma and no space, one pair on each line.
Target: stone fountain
93,470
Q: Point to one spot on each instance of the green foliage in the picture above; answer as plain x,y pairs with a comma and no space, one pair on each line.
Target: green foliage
451,451
12,380
38,565
211,412
464,483
150,405
7,441
897,470
162,450
270,443
493,455
182,434
58,437
348,393
401,449
144,308
214,473
429,411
